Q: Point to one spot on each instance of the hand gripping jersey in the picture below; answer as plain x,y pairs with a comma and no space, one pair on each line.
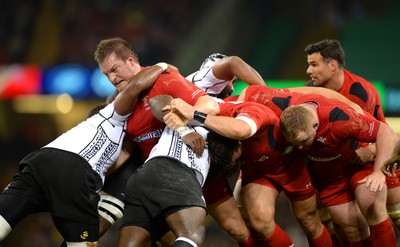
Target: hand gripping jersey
205,79
98,139
171,145
143,127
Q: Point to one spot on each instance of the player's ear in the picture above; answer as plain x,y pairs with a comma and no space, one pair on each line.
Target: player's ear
315,126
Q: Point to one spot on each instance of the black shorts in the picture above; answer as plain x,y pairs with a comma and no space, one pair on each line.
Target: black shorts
115,183
158,188
58,182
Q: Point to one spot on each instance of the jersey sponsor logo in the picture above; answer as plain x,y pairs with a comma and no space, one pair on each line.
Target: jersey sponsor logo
153,134
145,102
321,139
371,128
324,159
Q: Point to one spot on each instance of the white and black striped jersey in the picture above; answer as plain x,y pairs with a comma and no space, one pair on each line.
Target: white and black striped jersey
171,145
98,139
206,80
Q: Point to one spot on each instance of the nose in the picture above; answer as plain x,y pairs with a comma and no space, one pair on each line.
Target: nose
309,70
111,78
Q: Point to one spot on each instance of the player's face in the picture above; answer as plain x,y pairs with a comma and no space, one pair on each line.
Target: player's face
119,72
304,139
318,70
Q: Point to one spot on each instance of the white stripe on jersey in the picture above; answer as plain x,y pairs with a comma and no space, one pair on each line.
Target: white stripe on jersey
171,145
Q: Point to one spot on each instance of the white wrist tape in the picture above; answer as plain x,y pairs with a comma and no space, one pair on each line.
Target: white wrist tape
184,130
164,66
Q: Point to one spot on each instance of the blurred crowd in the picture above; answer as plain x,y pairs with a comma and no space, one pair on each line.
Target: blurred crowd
154,27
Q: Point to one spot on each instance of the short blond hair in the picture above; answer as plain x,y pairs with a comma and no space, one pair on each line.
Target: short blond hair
293,120
120,47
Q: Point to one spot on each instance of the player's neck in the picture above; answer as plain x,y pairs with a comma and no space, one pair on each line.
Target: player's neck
336,82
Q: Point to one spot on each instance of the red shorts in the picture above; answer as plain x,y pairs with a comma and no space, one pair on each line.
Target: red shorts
217,190
342,189
393,181
293,179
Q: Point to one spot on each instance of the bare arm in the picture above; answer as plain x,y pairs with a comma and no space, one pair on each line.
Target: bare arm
207,104
329,93
126,100
233,66
393,164
226,126
385,143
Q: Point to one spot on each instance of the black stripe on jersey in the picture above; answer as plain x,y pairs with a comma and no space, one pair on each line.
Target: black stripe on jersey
359,91
376,110
337,114
272,142
282,103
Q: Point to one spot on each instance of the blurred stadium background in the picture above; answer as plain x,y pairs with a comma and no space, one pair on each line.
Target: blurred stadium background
49,80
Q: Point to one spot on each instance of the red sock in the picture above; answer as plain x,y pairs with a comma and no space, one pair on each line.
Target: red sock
278,238
383,234
324,240
249,242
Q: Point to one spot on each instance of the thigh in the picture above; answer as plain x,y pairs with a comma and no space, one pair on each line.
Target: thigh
305,207
134,236
372,204
259,200
14,208
225,212
187,221
350,218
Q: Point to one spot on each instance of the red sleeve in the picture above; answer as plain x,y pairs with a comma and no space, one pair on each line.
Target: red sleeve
358,127
178,87
260,114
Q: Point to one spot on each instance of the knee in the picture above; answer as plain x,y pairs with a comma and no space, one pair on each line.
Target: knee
196,236
262,224
237,230
310,222
5,228
355,233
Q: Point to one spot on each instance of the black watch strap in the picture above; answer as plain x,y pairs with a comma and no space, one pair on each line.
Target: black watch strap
199,116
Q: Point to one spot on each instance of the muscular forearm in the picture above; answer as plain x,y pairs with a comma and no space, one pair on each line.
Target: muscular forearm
229,127
207,105
328,93
234,66
385,143
127,98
